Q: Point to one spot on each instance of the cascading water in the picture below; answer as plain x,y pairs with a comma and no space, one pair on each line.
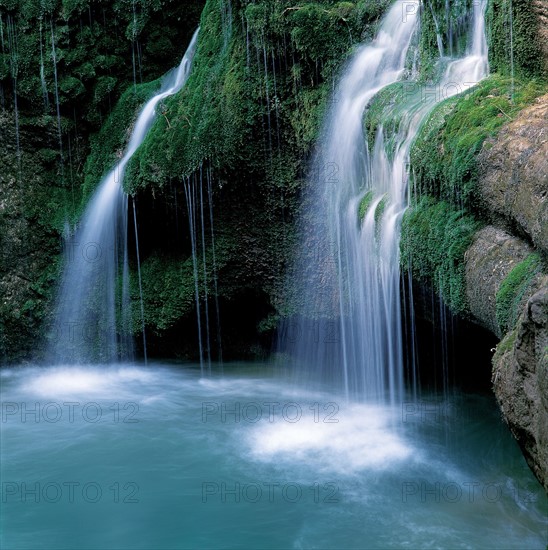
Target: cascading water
87,327
163,457
346,279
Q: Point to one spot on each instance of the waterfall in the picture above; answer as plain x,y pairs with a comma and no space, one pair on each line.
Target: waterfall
345,284
94,285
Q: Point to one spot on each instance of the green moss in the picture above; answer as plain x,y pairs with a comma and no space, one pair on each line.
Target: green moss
444,153
386,110
169,286
108,145
513,289
505,345
364,205
168,292
513,38
435,237
258,91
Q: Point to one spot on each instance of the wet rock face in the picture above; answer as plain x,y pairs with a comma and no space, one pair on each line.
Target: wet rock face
513,180
493,254
520,381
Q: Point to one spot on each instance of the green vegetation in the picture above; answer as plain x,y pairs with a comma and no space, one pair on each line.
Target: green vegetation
35,204
386,109
42,195
513,38
364,205
435,236
444,154
505,345
257,93
108,144
513,289
249,115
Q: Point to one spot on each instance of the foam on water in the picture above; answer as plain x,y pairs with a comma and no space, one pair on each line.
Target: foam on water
361,439
58,382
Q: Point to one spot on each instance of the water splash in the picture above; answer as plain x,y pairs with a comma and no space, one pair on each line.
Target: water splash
94,292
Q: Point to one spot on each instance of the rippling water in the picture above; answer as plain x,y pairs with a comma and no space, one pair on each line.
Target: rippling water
157,457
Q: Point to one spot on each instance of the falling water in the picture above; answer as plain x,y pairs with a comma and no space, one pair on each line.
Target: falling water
346,278
190,195
85,327
14,69
439,39
214,266
141,301
204,265
42,73
55,81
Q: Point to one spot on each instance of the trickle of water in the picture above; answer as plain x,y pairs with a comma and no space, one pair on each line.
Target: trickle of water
439,39
226,16
449,23
267,91
2,34
214,266
190,194
204,265
86,326
140,282
42,73
134,32
14,69
57,105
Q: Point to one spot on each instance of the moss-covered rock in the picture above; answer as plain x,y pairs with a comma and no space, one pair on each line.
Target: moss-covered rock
35,202
515,37
514,288
444,156
435,238
513,175
490,286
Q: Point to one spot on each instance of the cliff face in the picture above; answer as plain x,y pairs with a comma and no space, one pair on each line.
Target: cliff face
513,175
29,243
520,381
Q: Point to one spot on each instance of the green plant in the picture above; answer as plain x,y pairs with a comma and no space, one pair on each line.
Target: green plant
435,237
512,290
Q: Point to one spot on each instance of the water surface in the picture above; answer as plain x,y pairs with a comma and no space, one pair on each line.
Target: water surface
158,457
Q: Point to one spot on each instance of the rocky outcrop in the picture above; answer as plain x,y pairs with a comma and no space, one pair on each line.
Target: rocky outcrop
520,381
492,256
513,174
513,190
